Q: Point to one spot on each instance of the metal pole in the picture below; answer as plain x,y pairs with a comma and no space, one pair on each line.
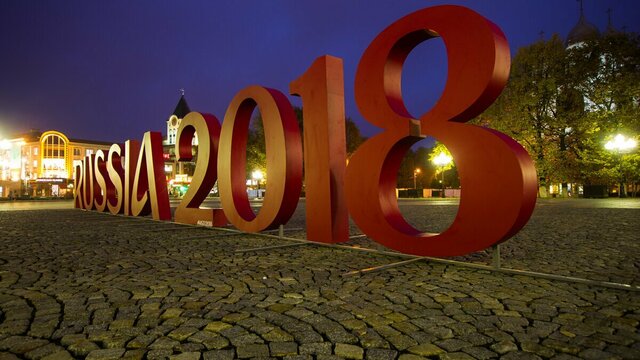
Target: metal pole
496,256
443,170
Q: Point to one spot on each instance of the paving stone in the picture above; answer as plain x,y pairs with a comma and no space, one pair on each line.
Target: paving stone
283,348
561,346
517,355
134,354
504,347
597,354
252,350
21,344
320,348
380,354
60,355
452,345
277,335
426,350
82,348
106,354
186,356
624,351
158,295
410,357
159,354
349,351
217,326
182,333
219,355
480,352
537,349
456,356
164,343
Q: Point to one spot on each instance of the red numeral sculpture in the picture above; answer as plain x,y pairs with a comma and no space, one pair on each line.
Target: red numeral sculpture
322,92
207,127
284,159
496,174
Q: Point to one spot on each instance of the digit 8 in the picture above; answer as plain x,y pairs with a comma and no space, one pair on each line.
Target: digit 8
497,176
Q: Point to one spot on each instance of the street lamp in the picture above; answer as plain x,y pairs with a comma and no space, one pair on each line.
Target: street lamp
442,160
257,175
23,170
415,173
620,144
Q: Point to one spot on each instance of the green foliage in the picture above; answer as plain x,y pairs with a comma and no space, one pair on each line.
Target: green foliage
562,105
256,146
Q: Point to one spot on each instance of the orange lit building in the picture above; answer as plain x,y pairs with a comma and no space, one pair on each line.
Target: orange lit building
41,164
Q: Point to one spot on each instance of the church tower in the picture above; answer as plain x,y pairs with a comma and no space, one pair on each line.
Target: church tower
583,31
173,123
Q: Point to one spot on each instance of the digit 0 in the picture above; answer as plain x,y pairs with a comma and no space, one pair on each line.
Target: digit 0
284,159
497,176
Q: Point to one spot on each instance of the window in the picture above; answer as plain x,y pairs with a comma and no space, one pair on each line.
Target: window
76,151
88,152
35,150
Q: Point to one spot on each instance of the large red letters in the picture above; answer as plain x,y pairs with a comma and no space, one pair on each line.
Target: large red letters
496,174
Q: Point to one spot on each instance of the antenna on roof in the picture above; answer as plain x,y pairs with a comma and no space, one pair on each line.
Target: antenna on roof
181,91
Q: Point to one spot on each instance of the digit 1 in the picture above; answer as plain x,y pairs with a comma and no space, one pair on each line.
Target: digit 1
207,127
321,88
149,193
131,151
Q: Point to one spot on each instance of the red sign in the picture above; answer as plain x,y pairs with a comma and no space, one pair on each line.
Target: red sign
496,173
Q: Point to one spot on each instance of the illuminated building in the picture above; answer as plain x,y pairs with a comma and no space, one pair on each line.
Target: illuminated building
41,164
178,174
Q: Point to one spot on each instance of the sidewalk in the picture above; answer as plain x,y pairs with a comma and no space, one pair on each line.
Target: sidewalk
77,284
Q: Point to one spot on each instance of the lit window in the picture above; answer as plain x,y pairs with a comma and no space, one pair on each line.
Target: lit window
89,152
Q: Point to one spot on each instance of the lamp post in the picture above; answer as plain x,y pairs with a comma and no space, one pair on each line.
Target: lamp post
257,175
620,145
442,160
23,170
415,173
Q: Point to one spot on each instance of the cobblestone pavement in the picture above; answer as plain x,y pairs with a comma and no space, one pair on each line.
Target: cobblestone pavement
77,284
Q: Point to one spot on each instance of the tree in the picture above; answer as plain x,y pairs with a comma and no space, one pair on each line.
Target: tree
353,136
256,148
449,177
528,110
561,105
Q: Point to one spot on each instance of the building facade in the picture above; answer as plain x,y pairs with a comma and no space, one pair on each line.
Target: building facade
40,164
178,173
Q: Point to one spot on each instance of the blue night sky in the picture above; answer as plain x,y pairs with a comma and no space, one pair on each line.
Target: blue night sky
111,70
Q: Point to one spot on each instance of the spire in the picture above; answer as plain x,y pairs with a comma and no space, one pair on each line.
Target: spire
581,9
583,30
182,109
610,27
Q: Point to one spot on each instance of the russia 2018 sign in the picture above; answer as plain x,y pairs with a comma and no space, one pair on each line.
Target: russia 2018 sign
497,175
